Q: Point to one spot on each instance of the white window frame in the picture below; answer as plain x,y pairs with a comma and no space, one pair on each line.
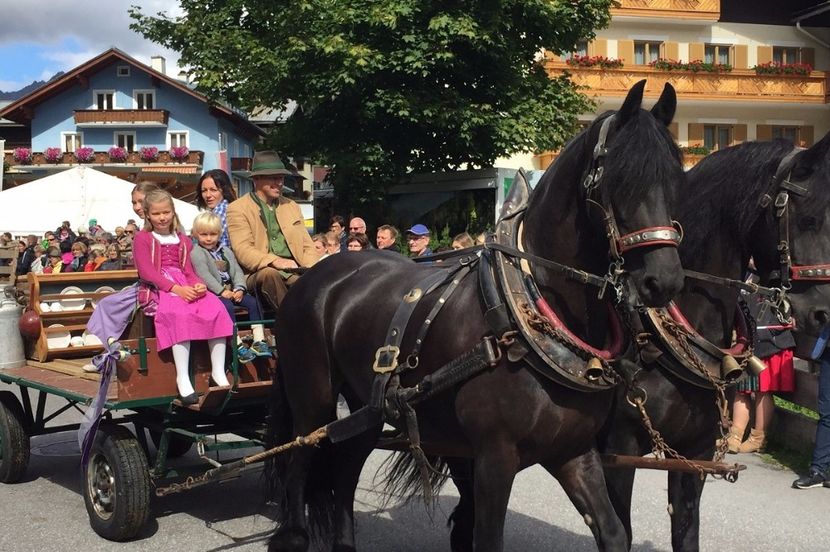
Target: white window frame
246,150
103,91
65,135
235,147
122,71
169,142
116,133
148,91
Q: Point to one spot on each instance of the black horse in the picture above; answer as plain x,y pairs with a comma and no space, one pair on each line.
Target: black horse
728,209
509,417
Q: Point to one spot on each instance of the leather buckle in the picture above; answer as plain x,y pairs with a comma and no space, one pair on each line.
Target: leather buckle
391,361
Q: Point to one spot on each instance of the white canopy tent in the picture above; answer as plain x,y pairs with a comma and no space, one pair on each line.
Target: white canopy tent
76,195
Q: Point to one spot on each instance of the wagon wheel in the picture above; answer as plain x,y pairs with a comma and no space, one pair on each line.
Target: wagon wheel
176,445
14,439
117,484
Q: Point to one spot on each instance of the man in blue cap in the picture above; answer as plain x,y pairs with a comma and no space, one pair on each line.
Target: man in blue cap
418,239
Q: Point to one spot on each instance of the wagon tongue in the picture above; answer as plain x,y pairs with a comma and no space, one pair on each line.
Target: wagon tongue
354,424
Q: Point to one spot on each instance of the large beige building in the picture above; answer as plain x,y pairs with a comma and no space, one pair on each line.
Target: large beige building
752,83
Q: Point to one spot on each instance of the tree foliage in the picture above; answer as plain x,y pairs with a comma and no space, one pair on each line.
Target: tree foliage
384,87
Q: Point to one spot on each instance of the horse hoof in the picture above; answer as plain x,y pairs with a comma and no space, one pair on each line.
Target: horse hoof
294,539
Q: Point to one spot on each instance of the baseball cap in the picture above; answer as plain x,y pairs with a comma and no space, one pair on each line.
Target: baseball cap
419,230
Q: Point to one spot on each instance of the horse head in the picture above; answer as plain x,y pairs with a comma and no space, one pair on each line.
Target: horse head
797,220
615,184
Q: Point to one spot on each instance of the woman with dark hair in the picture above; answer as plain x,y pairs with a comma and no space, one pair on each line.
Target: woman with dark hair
357,242
213,193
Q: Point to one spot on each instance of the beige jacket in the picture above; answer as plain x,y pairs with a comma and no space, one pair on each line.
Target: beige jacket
249,237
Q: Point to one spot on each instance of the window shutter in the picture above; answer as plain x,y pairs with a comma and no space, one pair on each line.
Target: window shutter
696,51
764,54
808,55
807,135
673,129
670,50
738,134
740,57
695,135
625,51
763,133
598,47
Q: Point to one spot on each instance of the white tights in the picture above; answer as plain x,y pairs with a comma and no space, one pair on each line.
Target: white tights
181,358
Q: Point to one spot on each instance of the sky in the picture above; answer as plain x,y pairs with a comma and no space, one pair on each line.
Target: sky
38,38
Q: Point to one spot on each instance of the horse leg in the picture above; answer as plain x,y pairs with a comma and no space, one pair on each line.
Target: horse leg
684,507
292,536
462,519
582,479
493,474
620,485
351,456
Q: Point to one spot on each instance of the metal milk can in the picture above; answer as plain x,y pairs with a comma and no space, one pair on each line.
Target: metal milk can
12,354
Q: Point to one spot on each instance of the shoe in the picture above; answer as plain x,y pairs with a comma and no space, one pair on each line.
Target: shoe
811,480
261,349
191,399
245,354
757,442
735,438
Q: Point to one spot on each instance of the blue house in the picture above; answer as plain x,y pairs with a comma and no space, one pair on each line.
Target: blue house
118,112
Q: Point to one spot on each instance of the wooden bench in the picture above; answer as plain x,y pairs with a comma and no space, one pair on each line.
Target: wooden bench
8,264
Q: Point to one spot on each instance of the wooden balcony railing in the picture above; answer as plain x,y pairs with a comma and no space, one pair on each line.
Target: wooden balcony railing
241,163
675,9
737,85
121,116
542,161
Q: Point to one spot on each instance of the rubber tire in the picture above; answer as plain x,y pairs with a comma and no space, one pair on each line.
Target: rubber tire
14,439
176,447
118,453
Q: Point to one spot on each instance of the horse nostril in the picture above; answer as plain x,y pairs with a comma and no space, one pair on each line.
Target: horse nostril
652,284
821,316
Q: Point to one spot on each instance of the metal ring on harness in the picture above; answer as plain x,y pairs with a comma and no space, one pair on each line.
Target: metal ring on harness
412,361
636,396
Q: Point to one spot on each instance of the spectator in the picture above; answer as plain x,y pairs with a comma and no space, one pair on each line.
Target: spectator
217,266
320,244
387,238
215,192
94,229
5,238
481,238
819,473
79,257
26,255
338,226
112,258
268,233
94,260
418,239
462,241
773,345
64,233
357,242
358,226
54,263
332,243
141,189
66,252
39,262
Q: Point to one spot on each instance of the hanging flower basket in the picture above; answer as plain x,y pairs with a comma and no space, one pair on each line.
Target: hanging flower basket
22,156
53,155
85,155
179,153
149,154
117,154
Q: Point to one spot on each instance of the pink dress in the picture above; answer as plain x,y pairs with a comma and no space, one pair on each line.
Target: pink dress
176,320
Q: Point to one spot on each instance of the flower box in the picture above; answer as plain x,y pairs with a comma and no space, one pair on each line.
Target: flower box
775,68
694,66
594,61
179,153
22,156
148,154
117,154
53,155
85,155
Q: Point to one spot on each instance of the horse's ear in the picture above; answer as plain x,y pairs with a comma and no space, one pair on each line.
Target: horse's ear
665,107
632,102
815,155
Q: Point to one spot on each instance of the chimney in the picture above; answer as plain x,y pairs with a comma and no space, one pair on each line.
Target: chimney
158,63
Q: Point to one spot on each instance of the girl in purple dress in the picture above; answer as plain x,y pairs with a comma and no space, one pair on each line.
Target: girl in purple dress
185,310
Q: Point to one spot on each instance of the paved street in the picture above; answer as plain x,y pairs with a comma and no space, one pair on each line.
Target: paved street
760,512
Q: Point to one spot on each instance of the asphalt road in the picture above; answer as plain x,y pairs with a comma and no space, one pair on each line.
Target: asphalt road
46,512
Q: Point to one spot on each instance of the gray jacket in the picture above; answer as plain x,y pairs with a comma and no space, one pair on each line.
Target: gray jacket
205,266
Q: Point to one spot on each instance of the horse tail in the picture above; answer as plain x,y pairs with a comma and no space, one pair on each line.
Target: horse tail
402,478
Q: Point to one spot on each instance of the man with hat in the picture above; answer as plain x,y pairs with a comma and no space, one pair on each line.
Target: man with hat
418,239
267,231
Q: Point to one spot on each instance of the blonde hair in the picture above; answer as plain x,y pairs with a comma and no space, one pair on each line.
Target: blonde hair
207,221
81,246
160,196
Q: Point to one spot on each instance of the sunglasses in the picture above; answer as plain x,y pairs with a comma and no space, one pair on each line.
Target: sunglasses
356,228
129,231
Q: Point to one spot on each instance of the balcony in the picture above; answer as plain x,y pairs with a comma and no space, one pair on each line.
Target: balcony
541,161
240,164
133,164
121,117
739,85
705,10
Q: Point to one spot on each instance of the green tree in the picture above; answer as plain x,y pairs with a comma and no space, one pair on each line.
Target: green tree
385,87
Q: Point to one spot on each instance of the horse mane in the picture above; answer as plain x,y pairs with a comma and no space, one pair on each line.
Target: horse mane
721,193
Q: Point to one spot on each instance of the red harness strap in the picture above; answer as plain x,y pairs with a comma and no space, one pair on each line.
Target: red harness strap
652,235
815,273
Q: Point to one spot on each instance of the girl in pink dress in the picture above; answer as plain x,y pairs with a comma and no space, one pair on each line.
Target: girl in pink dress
185,310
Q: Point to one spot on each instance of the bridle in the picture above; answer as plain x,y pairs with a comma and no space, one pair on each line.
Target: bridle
620,244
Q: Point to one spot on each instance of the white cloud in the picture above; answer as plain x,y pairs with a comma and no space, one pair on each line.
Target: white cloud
95,26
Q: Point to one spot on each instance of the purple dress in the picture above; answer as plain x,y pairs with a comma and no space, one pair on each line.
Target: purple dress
176,320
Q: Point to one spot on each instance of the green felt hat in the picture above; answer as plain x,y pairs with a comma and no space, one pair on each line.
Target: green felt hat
268,163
